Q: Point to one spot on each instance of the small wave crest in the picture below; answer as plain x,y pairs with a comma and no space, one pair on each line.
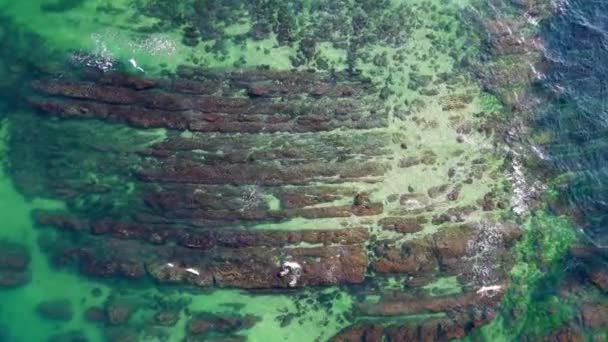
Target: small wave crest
110,47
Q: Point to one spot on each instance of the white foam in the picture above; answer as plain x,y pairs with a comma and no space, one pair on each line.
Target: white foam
517,177
134,64
489,291
193,271
482,249
531,20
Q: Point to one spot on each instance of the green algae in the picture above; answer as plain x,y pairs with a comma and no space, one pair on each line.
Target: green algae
119,31
401,64
535,305
19,305
444,286
280,317
537,270
400,69
272,202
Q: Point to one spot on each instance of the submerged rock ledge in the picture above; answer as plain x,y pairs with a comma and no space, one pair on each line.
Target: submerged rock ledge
188,205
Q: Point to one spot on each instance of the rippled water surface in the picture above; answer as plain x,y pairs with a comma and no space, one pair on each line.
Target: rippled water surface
576,118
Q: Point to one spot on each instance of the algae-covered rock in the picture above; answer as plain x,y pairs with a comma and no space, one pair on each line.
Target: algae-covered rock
119,311
14,262
95,314
593,315
403,225
13,279
13,256
59,309
217,176
166,317
205,323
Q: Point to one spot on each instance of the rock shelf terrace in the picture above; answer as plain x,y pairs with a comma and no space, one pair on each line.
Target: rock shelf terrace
228,173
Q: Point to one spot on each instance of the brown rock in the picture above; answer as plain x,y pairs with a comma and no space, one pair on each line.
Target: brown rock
190,172
208,113
320,266
165,273
409,162
566,334
345,236
122,79
413,257
488,202
118,312
451,172
450,244
13,256
132,269
599,278
404,225
454,193
95,314
593,315
420,305
360,333
359,200
166,318
429,330
206,239
205,323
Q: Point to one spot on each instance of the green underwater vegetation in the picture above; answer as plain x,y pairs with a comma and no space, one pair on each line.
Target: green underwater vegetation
162,161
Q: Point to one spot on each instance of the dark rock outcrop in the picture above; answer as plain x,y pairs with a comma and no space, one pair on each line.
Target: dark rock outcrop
14,262
216,200
205,324
60,309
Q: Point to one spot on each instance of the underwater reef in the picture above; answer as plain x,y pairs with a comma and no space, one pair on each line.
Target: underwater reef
386,148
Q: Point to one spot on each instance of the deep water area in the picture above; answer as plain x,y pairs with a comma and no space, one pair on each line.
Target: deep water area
574,120
303,170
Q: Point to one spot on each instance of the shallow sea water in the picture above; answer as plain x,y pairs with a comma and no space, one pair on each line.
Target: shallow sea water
548,284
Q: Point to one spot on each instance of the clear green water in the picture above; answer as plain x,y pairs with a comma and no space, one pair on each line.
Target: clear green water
18,308
36,39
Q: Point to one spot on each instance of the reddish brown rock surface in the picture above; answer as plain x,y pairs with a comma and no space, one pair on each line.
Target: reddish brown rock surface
449,251
403,225
217,199
318,103
593,315
418,305
427,330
